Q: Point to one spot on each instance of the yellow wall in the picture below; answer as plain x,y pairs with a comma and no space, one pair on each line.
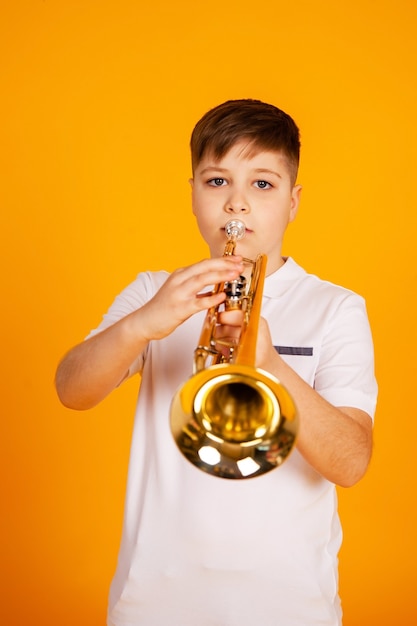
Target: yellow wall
98,101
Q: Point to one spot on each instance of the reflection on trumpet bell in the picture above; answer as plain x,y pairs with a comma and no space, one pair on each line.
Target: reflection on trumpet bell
234,421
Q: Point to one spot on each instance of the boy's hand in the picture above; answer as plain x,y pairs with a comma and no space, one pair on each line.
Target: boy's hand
265,350
228,329
93,368
230,325
180,296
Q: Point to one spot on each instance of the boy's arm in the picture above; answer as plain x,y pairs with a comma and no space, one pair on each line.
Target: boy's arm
335,441
92,369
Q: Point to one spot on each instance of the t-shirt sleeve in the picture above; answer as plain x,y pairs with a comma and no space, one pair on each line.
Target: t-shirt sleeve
130,299
345,374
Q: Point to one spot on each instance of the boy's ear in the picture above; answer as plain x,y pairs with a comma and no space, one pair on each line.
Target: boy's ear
191,181
295,202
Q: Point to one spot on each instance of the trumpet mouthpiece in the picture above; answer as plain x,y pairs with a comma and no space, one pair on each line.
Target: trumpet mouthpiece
235,229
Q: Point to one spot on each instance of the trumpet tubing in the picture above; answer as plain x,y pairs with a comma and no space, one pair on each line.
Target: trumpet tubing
231,419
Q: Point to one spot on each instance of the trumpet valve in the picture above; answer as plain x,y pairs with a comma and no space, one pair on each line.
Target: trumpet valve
235,292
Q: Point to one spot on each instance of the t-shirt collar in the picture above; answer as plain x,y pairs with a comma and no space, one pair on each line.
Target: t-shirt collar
277,283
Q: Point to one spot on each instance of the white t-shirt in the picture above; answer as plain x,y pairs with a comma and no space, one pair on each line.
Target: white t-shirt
198,550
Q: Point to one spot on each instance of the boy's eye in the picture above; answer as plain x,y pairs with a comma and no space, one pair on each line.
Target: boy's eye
262,184
217,182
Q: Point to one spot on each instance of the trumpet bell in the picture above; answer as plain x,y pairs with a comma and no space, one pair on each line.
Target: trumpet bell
234,421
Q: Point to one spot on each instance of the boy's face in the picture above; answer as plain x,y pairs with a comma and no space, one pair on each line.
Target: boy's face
254,188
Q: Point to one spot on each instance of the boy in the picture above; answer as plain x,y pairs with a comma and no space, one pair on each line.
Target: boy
200,550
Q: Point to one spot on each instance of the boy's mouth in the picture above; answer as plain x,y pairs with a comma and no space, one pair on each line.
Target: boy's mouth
247,230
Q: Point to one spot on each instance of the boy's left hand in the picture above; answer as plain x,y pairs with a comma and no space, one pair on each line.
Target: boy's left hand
230,325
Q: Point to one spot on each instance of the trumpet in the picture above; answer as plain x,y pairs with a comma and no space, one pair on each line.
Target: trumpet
231,419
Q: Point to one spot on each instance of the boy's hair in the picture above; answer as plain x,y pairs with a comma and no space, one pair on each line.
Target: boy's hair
263,125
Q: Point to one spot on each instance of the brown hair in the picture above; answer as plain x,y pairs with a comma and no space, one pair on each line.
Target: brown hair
263,125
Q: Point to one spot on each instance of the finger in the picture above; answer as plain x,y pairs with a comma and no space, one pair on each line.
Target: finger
211,271
233,317
208,300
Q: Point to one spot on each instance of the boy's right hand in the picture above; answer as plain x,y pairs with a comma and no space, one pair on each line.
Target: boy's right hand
181,295
93,368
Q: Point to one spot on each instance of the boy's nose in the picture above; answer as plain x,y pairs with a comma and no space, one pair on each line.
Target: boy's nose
237,204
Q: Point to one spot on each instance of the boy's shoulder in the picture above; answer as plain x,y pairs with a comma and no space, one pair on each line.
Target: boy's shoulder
294,279
147,281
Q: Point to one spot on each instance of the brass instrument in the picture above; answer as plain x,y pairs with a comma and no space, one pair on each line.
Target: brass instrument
230,419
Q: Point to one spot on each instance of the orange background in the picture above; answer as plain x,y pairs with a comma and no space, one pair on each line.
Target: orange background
98,101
